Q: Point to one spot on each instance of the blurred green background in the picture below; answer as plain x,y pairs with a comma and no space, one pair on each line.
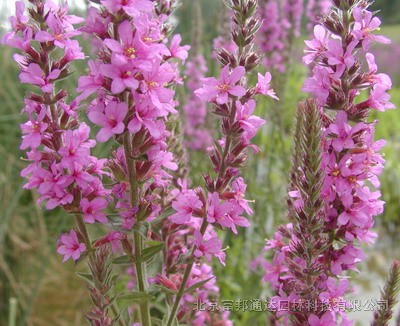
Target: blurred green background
46,290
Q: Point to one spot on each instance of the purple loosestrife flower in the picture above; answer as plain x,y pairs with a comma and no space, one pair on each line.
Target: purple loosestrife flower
219,90
110,119
208,247
34,75
222,198
195,109
61,166
364,26
185,206
92,210
133,76
336,175
315,10
133,8
70,247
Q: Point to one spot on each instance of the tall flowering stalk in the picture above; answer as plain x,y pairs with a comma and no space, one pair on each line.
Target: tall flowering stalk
281,24
315,10
58,146
351,165
195,110
389,293
133,76
222,203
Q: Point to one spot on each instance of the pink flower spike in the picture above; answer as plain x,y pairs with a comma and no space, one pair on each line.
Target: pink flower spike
92,210
70,247
111,120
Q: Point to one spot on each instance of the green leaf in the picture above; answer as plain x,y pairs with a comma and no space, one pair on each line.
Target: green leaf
86,277
156,321
136,296
197,285
164,289
154,249
123,260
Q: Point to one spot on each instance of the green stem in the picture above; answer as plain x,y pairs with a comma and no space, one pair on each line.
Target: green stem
92,257
12,320
185,279
138,239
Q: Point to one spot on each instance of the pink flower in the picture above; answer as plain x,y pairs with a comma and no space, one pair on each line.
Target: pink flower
217,211
343,132
239,188
177,51
333,296
92,210
113,238
275,270
146,115
319,84
208,247
338,58
185,205
379,98
298,200
365,24
263,86
382,79
327,319
233,219
19,21
57,33
70,247
248,122
34,75
75,149
132,7
130,48
219,90
122,76
111,120
91,83
33,131
154,86
317,46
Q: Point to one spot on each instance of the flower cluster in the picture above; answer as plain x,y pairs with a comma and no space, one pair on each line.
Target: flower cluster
178,244
281,23
223,204
132,78
198,137
340,207
315,10
58,146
